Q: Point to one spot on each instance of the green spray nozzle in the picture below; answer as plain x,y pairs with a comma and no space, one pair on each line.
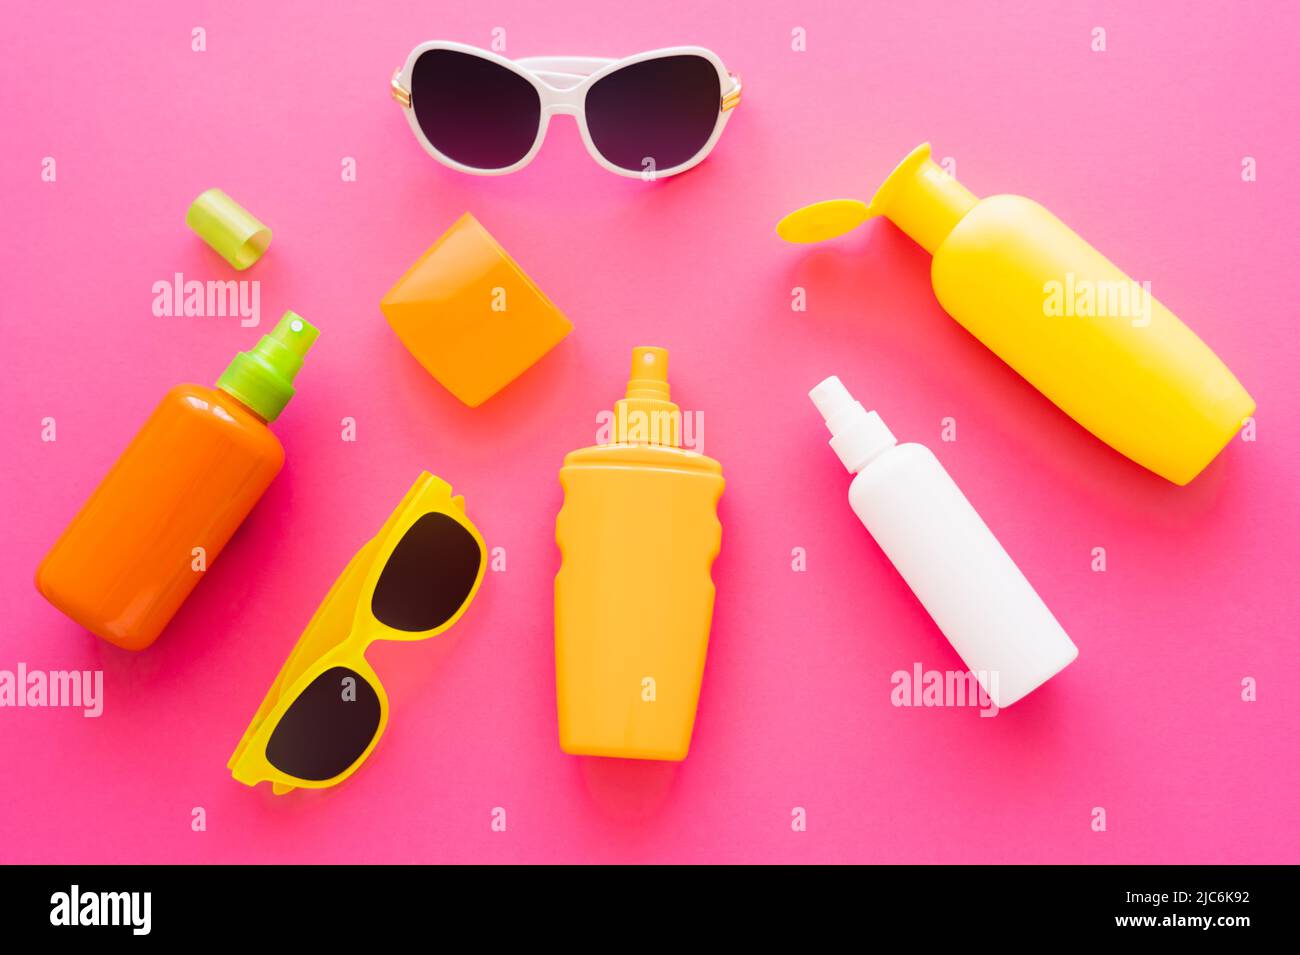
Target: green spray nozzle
263,378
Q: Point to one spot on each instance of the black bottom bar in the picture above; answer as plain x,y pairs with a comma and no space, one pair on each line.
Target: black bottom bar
980,905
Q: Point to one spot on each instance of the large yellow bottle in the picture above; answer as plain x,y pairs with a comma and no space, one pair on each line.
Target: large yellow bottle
1090,338
638,534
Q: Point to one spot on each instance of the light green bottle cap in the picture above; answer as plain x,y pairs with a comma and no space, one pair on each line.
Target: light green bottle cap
263,378
234,232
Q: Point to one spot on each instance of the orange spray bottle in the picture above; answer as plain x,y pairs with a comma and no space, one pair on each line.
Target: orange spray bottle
179,491
638,534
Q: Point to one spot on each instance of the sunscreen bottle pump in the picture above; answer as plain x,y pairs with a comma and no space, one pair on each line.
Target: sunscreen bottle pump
945,552
1086,335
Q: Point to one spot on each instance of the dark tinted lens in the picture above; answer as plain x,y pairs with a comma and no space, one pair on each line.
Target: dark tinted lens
429,575
662,111
473,110
327,727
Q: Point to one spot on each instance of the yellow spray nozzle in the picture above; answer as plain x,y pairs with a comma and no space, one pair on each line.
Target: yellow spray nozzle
645,415
649,377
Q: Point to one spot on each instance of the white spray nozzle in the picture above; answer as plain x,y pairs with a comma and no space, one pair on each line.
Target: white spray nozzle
857,435
834,401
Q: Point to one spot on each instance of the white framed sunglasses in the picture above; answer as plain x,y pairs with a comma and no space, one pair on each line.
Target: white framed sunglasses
647,116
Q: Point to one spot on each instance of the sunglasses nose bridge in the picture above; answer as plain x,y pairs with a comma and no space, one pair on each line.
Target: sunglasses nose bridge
562,102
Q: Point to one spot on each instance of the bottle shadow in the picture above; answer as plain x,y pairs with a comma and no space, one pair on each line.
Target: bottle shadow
627,790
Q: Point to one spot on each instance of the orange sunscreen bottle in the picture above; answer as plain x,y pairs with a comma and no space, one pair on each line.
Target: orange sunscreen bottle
638,534
188,479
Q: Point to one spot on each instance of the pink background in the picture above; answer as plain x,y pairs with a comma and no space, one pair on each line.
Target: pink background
1139,148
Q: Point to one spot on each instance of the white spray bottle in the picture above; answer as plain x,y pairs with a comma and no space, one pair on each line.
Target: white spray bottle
981,601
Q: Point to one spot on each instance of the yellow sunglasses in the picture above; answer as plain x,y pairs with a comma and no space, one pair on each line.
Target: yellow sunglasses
327,709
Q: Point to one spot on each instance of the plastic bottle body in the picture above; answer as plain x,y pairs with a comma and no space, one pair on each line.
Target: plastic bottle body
638,534
131,556
1089,337
970,586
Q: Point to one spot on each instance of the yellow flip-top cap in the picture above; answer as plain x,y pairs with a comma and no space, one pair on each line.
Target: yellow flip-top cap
470,315
823,220
234,232
918,197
